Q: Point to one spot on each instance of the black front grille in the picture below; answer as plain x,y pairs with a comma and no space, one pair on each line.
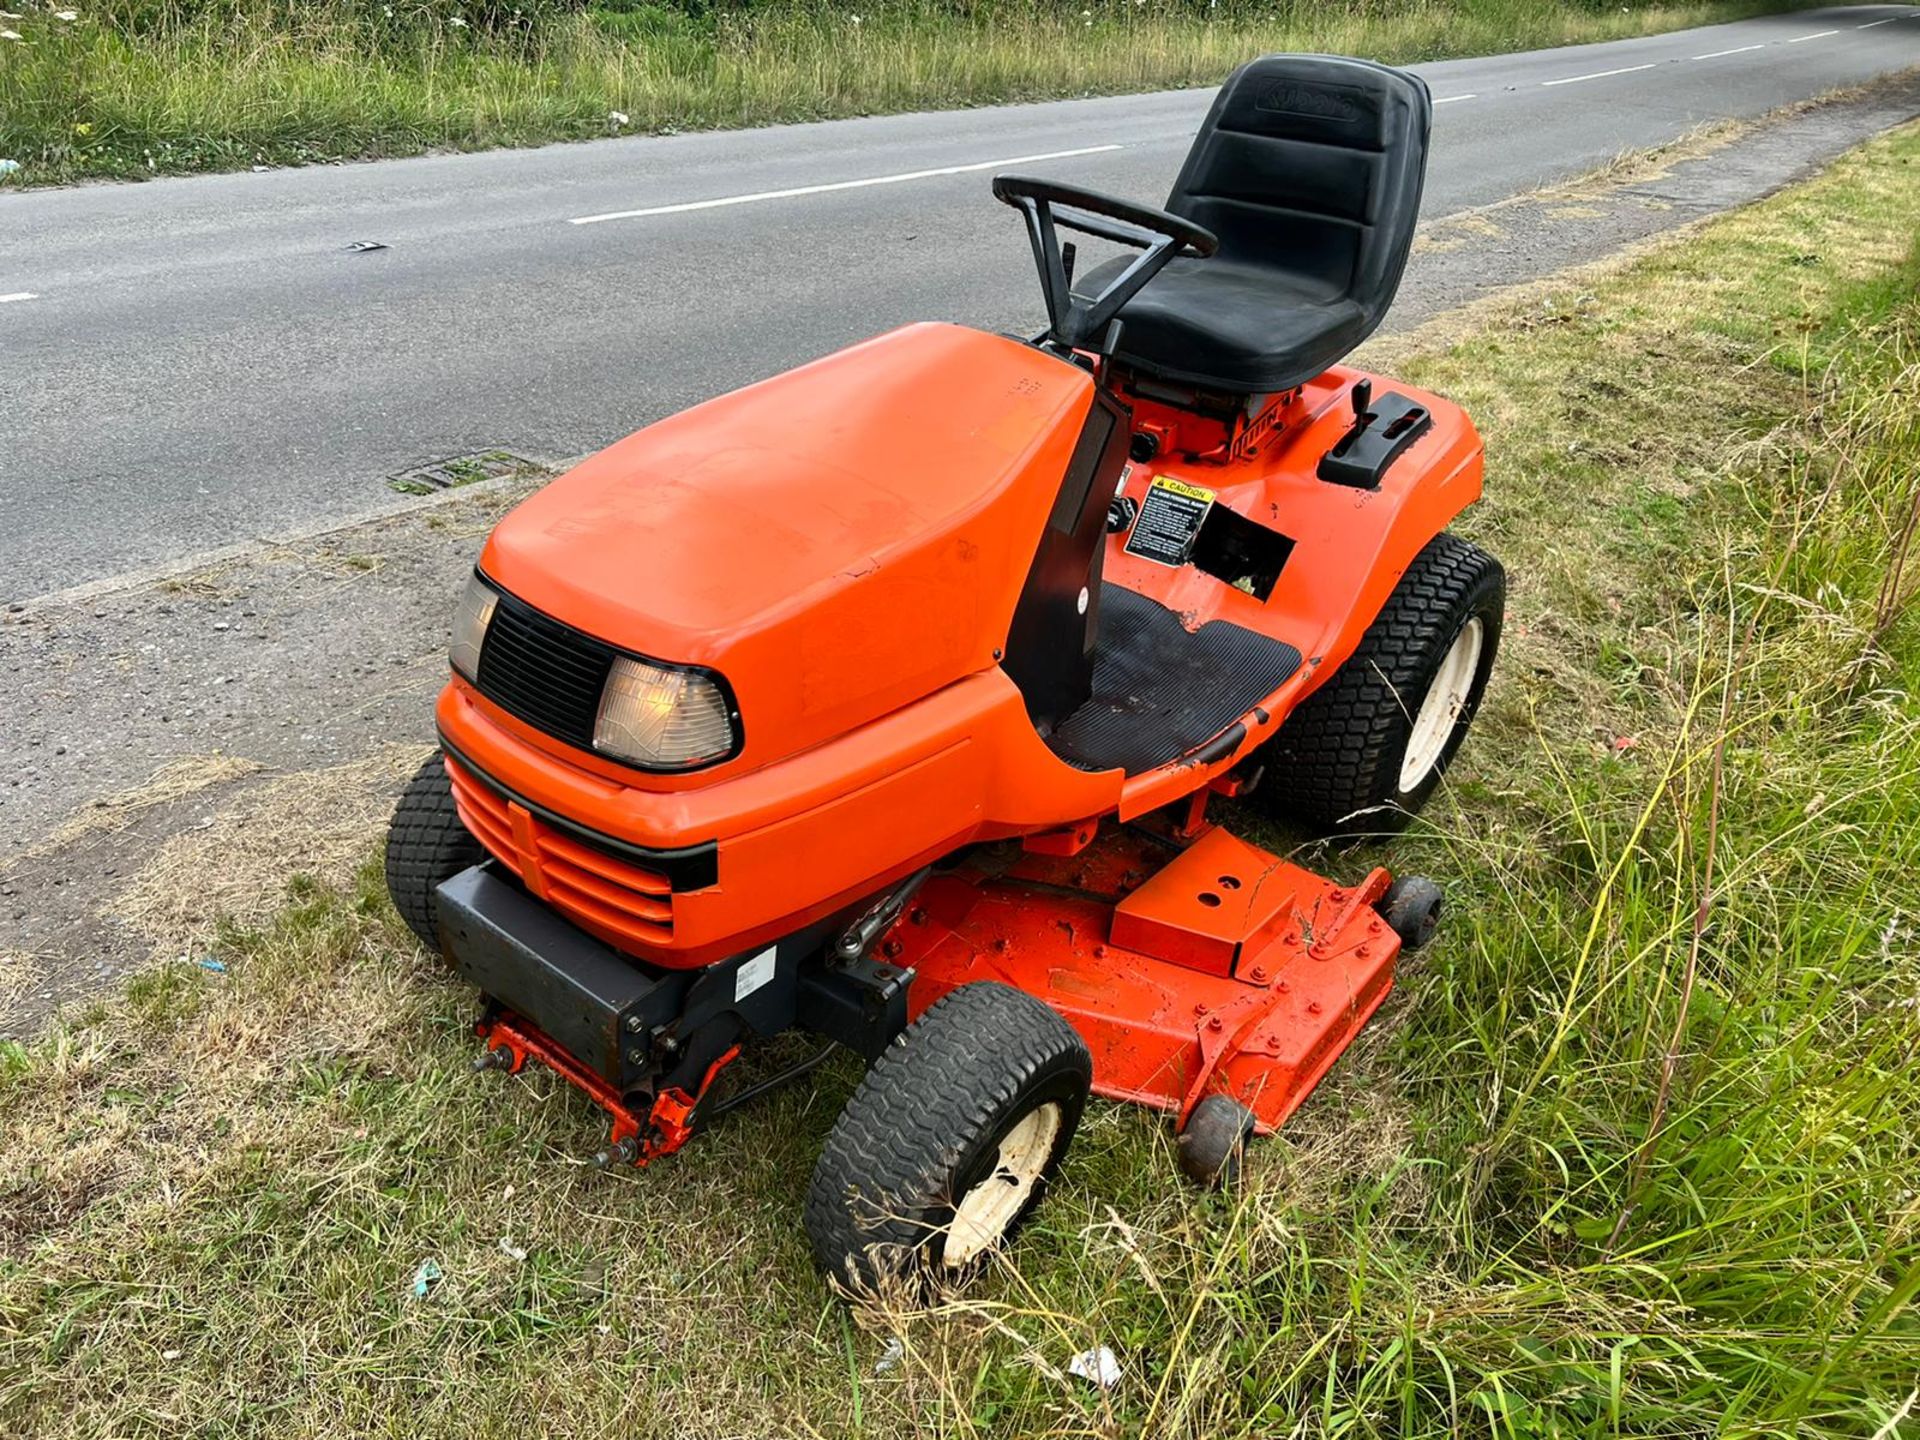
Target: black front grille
546,673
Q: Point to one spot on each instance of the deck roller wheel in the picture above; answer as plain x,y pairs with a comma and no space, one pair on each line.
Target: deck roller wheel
426,846
1411,907
1213,1142
948,1143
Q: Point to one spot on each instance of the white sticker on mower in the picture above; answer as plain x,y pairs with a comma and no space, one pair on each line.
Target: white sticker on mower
753,973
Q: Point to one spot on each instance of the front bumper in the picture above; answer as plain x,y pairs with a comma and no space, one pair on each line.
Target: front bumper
644,1028
622,892
582,993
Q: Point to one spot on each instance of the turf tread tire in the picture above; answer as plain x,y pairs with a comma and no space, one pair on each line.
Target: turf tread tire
957,1079
426,845
1335,764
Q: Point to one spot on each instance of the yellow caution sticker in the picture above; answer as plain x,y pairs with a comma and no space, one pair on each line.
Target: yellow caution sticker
1180,487
1169,520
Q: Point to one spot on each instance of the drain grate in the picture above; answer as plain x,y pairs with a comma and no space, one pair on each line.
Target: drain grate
440,475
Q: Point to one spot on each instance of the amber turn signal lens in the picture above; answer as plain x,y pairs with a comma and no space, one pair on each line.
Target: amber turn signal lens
665,719
470,623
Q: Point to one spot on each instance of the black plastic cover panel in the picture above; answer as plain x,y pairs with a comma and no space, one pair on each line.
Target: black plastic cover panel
572,986
1160,690
545,672
1375,440
1050,640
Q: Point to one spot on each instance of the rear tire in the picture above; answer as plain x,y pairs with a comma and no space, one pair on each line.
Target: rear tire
1366,750
426,845
949,1142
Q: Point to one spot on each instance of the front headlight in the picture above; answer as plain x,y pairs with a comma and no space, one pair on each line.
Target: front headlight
470,623
664,719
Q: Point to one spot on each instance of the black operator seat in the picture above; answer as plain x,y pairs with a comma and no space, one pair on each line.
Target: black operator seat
1309,169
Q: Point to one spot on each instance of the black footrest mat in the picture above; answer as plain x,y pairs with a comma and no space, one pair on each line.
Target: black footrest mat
1160,690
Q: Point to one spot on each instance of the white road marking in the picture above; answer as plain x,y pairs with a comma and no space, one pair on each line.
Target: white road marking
1817,35
1449,99
1888,21
1737,50
18,295
799,190
1599,74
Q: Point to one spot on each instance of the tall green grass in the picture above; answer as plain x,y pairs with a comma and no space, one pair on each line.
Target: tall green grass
138,87
1631,1151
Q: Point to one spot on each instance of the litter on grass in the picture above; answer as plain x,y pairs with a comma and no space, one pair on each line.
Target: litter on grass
1100,1366
426,1277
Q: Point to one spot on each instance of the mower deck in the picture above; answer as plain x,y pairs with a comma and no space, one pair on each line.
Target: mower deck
1219,968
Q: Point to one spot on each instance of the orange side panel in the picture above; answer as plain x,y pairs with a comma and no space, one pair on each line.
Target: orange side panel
1351,547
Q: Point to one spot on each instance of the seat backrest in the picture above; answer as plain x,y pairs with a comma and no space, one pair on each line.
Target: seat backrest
1311,166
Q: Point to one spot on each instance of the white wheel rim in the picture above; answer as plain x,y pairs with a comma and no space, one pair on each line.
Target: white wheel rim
981,1218
1440,711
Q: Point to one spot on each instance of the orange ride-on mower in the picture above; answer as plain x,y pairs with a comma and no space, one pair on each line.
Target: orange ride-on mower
883,700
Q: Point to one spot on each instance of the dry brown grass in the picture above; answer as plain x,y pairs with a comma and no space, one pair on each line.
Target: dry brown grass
18,973
175,780
235,867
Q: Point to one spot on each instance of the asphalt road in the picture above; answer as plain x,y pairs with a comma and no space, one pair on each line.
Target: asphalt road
189,363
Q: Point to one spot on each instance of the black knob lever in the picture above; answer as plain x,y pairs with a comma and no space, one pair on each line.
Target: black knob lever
1362,397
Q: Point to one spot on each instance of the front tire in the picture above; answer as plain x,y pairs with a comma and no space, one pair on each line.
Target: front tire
949,1142
1367,749
426,846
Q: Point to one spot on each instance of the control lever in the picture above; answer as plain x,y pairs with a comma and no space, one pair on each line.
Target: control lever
1376,438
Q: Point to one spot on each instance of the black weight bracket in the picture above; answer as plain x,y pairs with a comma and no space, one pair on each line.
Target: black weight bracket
1381,430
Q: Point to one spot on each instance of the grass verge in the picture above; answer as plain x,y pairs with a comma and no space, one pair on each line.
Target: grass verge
1631,1151
130,88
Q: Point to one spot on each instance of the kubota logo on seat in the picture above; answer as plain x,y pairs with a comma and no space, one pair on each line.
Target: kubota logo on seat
1289,97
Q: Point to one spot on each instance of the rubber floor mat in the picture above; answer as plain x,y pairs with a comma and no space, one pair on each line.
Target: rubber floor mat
1160,690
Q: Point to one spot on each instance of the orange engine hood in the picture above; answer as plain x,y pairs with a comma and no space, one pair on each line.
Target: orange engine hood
837,541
